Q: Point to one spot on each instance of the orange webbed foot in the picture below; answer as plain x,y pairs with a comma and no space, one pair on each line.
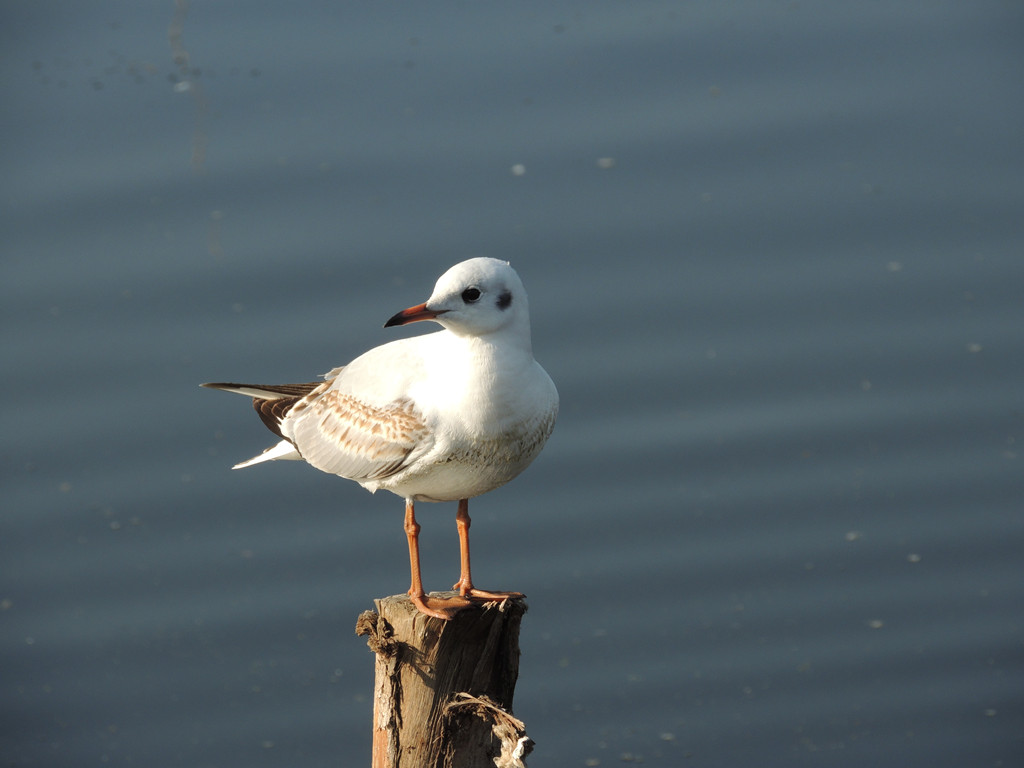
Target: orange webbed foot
440,607
466,589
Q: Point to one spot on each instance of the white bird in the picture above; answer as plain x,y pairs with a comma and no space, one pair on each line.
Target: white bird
441,417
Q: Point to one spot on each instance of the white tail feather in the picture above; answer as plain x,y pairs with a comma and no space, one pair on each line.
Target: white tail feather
283,450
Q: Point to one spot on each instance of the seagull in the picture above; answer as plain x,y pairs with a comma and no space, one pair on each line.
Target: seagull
445,416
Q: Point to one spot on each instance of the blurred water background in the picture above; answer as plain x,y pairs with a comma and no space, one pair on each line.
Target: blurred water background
775,256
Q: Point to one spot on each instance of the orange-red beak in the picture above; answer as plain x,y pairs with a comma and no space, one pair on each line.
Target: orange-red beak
413,315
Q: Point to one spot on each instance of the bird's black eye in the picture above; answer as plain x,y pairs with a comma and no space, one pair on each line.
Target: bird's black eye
471,295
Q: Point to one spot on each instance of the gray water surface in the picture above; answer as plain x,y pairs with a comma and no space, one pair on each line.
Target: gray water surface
775,257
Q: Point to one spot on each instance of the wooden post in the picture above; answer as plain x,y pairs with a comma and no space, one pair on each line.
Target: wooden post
442,696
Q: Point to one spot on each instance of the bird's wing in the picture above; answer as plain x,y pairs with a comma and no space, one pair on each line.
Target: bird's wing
273,402
267,391
337,433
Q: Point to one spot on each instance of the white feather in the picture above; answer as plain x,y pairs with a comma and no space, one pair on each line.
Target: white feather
283,450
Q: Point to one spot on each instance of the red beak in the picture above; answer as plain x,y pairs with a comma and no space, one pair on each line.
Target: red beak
413,315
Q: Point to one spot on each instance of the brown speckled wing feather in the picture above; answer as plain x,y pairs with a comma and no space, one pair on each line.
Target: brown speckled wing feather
273,411
337,433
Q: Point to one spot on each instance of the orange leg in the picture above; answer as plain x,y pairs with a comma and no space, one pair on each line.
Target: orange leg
431,606
465,583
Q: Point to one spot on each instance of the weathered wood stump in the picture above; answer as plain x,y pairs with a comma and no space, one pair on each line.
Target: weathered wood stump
443,690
